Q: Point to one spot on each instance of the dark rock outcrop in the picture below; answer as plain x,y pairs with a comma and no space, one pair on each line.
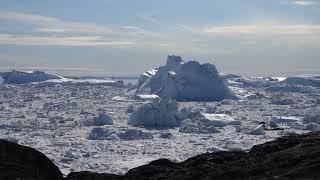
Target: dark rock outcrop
85,175
289,157
25,163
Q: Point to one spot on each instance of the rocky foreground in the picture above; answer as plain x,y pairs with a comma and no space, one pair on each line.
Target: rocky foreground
290,157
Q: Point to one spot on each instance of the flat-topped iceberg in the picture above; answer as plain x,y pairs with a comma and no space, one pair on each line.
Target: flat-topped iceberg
220,120
19,77
185,81
207,123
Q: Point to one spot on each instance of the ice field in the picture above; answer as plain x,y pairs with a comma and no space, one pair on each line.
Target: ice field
106,126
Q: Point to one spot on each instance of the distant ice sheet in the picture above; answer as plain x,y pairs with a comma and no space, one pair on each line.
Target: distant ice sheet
91,81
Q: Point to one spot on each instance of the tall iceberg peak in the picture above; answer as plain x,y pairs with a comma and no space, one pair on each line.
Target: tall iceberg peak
174,62
186,81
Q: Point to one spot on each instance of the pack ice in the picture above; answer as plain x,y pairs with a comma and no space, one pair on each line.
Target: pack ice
184,81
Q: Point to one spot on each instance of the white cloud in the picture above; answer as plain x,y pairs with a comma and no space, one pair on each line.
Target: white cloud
305,3
57,32
148,18
60,41
129,27
252,34
50,30
189,28
19,16
67,33
51,23
261,29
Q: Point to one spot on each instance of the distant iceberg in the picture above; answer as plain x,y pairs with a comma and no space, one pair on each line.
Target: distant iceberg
20,77
185,81
305,80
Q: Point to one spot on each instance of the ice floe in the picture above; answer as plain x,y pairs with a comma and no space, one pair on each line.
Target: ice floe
159,113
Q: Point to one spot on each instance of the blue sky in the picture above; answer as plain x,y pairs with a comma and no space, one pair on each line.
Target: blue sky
258,37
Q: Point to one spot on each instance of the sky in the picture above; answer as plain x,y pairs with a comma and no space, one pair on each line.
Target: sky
127,37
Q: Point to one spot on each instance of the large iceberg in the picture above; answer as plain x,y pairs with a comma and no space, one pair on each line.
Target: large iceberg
19,77
185,81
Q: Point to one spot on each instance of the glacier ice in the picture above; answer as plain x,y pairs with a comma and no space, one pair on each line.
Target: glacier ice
289,88
282,101
102,119
259,130
1,79
135,134
220,120
185,81
312,118
197,125
145,97
306,80
166,135
100,133
159,113
26,112
206,123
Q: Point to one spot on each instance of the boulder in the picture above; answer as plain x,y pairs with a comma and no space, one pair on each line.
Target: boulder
21,162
